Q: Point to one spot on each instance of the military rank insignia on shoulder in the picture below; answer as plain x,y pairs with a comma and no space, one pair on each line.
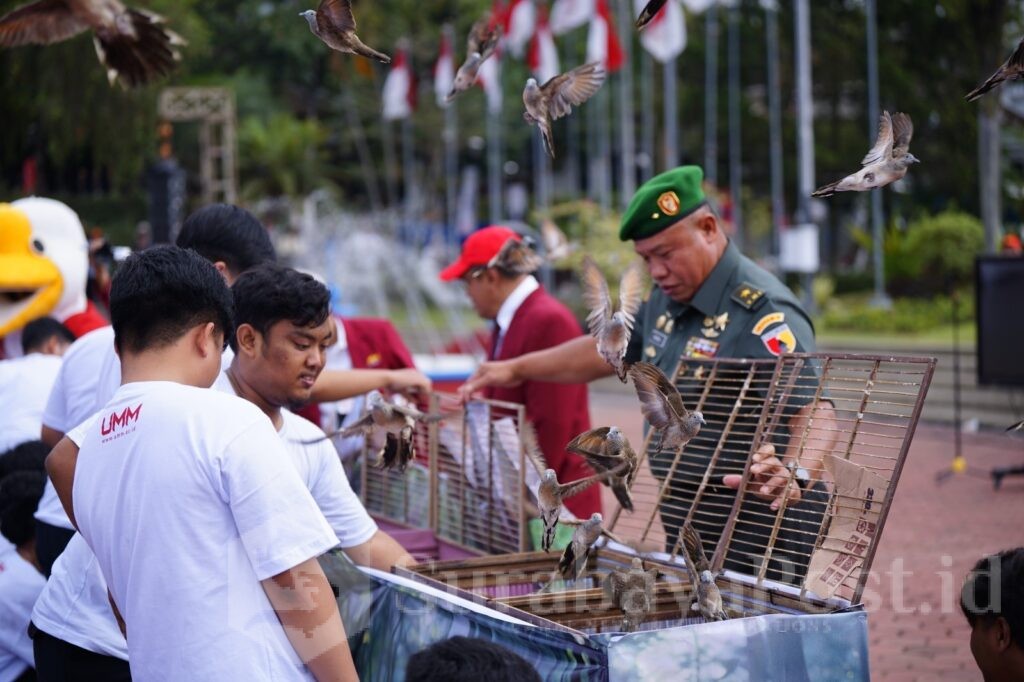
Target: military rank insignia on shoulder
748,296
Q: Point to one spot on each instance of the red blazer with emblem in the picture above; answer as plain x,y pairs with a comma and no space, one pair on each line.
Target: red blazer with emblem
558,412
372,344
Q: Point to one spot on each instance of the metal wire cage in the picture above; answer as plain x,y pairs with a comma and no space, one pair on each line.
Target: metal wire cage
847,419
468,481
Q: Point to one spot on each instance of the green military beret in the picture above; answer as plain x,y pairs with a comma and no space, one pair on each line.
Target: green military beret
663,201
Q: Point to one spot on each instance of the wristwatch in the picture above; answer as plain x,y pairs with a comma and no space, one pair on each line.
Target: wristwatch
800,475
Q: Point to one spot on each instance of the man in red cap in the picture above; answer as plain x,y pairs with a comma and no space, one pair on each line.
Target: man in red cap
527,319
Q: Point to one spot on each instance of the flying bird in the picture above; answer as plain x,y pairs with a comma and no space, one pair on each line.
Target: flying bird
573,561
608,451
885,163
612,329
1016,427
483,39
556,245
132,44
517,257
1011,70
663,407
551,493
708,596
333,23
632,592
556,98
649,11
396,422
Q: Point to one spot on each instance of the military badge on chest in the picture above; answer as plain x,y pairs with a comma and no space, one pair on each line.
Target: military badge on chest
697,347
714,325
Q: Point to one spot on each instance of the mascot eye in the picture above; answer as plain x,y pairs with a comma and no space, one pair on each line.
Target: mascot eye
38,246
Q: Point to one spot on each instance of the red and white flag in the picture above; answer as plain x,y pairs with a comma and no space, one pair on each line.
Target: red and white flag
489,78
399,93
520,20
665,36
444,72
568,14
602,42
543,56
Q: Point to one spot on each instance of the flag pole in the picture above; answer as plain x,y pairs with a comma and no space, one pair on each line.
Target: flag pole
604,151
668,92
881,298
775,124
647,114
572,129
494,164
805,125
735,138
451,158
408,172
627,144
711,95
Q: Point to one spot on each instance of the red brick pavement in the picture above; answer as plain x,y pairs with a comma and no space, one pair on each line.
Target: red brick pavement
932,537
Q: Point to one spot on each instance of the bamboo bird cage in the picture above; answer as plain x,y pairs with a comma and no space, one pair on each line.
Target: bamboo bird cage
856,414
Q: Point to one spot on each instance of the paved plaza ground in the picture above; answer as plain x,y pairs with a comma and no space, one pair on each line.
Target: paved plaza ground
932,537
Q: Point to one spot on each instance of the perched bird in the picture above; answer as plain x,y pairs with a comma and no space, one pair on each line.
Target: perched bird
551,493
632,591
708,597
480,44
649,11
607,450
557,97
885,163
1011,70
396,422
517,257
612,329
132,44
663,407
574,559
333,23
556,245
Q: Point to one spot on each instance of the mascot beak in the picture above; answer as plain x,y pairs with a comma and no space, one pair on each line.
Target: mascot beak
30,283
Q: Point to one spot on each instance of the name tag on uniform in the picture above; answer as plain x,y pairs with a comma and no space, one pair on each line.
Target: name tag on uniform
698,347
658,338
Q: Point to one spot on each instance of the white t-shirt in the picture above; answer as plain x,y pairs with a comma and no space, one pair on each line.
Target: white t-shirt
188,501
24,387
20,585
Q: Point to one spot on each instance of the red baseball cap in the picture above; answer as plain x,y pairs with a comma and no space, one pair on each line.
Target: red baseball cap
478,249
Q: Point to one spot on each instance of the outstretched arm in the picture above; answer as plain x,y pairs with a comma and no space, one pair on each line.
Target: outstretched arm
339,384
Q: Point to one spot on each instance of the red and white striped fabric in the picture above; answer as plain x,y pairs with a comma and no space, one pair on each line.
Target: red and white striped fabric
665,36
602,42
398,95
543,56
569,14
444,72
520,20
489,78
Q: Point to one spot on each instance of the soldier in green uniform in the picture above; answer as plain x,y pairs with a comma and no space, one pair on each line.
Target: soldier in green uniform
710,302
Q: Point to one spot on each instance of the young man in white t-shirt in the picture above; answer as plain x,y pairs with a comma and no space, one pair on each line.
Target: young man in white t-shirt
25,381
203,530
283,330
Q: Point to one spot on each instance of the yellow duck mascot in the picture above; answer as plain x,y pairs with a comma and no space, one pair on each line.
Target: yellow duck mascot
44,263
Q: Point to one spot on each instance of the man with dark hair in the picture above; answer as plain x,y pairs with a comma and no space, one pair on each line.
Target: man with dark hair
208,471
992,599
229,237
468,659
21,483
25,382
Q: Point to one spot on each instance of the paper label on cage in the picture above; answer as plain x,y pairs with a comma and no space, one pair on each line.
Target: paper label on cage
859,494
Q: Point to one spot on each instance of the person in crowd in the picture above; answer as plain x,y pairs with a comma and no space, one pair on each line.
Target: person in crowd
992,600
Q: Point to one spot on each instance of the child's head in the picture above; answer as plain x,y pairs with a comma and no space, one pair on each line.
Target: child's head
992,599
229,237
164,294
22,478
284,328
45,335
467,659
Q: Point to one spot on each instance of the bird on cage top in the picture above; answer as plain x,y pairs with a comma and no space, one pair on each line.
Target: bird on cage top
573,561
396,421
663,408
607,451
612,329
333,23
885,163
551,493
480,44
707,596
632,592
132,44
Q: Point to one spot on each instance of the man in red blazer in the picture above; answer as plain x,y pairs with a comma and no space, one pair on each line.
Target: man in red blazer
526,319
